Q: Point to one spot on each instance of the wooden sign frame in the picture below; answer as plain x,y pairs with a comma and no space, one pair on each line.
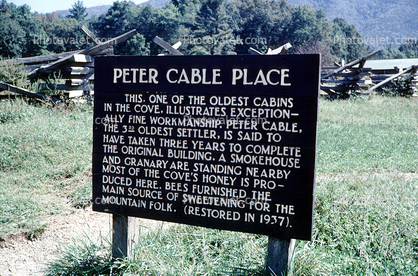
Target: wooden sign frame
226,142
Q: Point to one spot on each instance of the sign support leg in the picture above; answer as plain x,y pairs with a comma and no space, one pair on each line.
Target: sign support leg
120,237
279,255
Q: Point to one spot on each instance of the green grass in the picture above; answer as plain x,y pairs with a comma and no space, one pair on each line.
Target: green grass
368,136
368,225
186,250
177,250
44,159
366,205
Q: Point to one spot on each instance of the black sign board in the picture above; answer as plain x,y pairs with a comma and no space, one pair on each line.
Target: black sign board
226,142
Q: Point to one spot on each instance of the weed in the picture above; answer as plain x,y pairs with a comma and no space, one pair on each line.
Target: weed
399,87
176,250
82,257
13,73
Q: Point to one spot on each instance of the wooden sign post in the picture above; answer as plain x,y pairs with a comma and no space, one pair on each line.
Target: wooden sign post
226,142
279,255
123,236
120,236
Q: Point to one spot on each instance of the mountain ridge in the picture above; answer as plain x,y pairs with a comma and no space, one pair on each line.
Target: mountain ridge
380,24
91,11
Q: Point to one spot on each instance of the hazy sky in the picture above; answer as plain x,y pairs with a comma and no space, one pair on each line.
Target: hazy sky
46,6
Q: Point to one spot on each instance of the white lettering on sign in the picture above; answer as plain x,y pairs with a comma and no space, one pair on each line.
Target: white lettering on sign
135,75
210,144
271,77
185,149
202,76
195,76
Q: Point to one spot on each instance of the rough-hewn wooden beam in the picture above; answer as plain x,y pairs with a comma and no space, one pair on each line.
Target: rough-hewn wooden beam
36,60
280,50
26,92
393,77
90,51
114,41
349,65
167,46
253,51
89,34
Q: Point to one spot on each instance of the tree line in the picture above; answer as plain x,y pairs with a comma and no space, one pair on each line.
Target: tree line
205,27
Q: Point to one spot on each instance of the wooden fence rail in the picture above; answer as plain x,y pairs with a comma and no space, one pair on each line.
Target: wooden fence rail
76,69
354,77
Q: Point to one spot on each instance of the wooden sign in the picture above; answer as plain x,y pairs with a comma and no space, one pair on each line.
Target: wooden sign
226,142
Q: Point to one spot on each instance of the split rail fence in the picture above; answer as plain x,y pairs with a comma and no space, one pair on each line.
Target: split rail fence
356,77
76,69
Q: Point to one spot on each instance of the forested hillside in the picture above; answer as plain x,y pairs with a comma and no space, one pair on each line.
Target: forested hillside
203,27
379,22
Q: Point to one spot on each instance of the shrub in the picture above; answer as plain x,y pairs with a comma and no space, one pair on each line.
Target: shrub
399,87
13,73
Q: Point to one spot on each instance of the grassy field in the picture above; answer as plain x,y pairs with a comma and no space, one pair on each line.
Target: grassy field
366,206
45,163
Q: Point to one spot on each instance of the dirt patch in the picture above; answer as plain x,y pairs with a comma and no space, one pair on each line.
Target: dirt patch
20,256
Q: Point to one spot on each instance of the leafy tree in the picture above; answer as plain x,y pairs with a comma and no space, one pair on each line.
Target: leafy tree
389,53
307,26
136,45
78,11
309,31
186,19
188,10
11,37
166,25
347,42
410,48
164,22
211,34
118,19
33,31
63,35
4,6
145,20
204,27
52,17
262,24
19,31
148,21
176,2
